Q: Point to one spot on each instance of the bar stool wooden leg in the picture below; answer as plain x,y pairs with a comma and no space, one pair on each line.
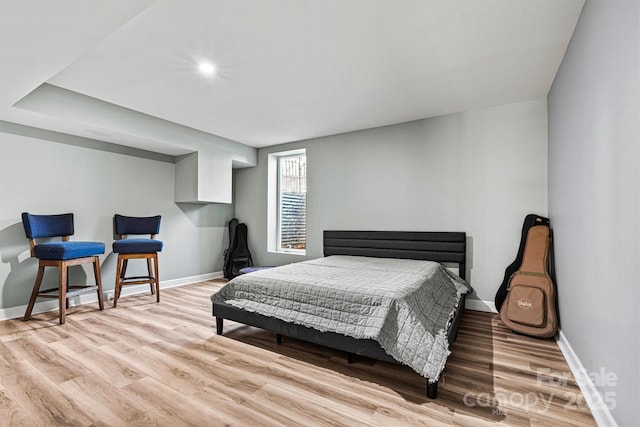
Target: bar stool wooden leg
98,278
62,293
123,272
34,293
116,289
66,300
150,274
157,277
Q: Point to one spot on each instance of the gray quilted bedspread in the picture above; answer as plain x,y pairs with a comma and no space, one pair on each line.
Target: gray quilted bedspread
405,305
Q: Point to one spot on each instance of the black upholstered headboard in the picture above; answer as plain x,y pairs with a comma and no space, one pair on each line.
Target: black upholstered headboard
424,245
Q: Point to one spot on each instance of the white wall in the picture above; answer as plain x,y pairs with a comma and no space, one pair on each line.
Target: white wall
41,177
594,197
480,172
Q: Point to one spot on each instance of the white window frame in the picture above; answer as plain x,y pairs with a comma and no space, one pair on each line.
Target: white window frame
273,202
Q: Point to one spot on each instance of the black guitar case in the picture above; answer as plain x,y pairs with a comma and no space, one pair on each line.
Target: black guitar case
233,242
237,256
529,221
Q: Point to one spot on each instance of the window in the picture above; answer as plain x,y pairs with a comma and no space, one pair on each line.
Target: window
288,202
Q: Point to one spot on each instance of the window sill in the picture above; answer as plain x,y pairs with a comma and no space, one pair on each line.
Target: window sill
289,252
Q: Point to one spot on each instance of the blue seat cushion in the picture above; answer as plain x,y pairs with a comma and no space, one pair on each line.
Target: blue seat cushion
67,250
137,246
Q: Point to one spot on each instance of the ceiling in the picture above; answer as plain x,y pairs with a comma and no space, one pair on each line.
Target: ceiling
286,70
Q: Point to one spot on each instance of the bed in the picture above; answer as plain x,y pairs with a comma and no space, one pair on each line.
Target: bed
393,263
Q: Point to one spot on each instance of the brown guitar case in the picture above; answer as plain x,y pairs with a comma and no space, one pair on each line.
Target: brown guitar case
530,305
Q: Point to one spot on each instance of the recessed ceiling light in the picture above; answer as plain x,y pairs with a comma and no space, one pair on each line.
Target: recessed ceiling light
206,68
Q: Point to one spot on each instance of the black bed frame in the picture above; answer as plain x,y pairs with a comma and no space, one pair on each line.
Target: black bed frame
444,247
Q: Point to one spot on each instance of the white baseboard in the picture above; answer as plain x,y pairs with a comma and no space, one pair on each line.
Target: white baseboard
480,305
41,307
594,400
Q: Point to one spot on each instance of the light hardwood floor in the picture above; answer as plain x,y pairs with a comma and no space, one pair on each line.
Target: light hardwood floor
162,364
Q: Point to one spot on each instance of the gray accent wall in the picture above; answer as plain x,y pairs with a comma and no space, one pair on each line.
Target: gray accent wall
594,198
41,176
479,172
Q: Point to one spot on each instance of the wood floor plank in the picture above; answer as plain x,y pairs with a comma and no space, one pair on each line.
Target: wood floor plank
13,414
241,409
39,354
100,364
173,405
233,393
42,398
299,406
90,393
148,363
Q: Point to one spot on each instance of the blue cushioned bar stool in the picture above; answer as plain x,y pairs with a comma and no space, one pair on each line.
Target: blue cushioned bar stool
62,255
137,248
